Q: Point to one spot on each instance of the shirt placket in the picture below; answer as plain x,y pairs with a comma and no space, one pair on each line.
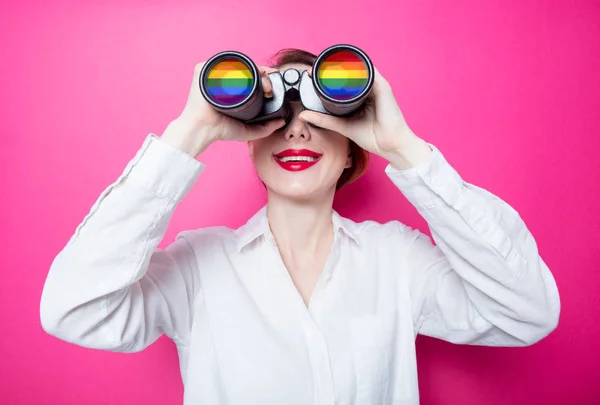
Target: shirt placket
318,355
318,352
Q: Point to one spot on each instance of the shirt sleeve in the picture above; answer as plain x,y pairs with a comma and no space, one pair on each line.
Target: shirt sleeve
110,287
483,282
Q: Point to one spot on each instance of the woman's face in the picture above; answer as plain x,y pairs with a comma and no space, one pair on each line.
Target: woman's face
300,161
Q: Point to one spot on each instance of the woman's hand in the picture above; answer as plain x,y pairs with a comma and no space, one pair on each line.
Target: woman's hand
199,124
379,128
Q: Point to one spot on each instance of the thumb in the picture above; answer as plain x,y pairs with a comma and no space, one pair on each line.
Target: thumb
330,122
262,130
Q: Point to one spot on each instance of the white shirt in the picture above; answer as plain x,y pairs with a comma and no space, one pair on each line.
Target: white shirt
243,333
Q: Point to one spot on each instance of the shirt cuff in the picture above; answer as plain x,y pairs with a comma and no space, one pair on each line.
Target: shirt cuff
163,169
429,184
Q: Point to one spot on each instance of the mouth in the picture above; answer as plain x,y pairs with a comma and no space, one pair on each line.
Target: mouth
297,159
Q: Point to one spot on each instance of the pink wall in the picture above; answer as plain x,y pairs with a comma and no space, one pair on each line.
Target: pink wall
508,90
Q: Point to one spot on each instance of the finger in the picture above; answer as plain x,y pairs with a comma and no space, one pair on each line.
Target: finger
266,81
330,122
382,90
198,69
266,85
258,131
380,81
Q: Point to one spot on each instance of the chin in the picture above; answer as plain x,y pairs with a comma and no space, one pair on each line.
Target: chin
299,192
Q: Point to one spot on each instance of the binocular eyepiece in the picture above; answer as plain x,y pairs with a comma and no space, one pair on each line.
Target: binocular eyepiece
342,78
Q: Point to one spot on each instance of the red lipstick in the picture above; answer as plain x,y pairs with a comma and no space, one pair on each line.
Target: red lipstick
297,159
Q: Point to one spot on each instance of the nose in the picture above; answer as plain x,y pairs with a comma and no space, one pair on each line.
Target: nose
297,129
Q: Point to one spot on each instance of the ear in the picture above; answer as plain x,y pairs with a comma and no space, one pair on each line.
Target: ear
349,160
251,150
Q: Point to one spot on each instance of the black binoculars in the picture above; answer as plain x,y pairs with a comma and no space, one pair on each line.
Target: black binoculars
341,79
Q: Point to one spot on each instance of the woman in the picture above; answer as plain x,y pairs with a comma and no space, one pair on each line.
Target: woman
299,305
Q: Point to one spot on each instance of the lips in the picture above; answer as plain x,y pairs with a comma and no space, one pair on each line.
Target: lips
297,152
297,159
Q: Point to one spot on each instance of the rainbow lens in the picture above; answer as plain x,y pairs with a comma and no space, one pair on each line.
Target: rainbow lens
229,82
343,75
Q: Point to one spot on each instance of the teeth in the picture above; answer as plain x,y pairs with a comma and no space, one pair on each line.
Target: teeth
297,159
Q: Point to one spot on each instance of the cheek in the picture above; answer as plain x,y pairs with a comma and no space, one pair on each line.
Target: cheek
340,147
263,161
259,149
262,157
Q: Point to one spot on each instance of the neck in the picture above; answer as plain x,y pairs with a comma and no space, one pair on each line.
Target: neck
301,226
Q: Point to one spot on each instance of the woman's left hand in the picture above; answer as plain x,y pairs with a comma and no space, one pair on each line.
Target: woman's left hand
380,128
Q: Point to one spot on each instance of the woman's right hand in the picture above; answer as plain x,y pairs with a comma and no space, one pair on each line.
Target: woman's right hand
199,124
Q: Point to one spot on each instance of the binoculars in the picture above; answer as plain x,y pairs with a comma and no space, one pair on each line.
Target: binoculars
342,78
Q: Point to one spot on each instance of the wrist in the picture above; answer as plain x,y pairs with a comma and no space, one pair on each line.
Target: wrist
411,153
189,136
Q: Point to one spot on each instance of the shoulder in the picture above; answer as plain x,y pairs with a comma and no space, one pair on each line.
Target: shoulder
226,239
208,236
393,244
371,232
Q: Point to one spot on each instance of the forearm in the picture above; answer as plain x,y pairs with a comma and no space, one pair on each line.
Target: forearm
110,250
506,281
487,245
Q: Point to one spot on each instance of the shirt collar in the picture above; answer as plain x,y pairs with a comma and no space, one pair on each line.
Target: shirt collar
258,225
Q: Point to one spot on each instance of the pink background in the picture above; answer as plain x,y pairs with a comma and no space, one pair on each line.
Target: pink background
508,90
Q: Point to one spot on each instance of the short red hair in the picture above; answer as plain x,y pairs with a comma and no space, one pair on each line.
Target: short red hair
360,157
